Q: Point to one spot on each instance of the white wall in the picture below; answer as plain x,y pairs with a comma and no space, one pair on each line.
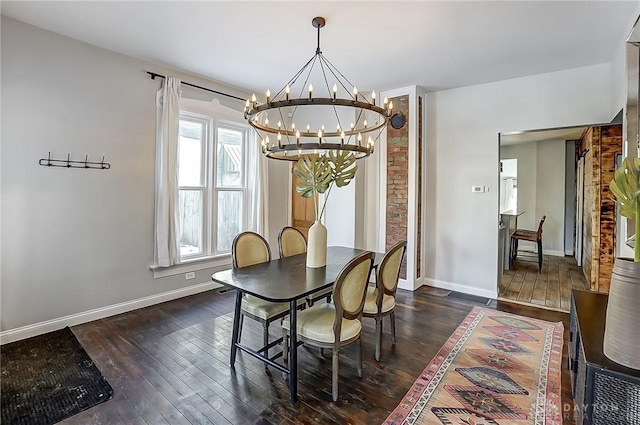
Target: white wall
463,125
541,190
550,190
619,68
76,240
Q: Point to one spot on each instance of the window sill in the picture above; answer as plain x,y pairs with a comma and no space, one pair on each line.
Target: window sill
192,266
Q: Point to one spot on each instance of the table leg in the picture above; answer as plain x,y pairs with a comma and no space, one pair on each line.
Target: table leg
236,327
293,351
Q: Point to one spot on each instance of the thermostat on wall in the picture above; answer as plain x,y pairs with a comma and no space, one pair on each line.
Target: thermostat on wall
479,189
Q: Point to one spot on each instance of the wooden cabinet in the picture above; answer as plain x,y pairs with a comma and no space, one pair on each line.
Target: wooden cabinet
604,392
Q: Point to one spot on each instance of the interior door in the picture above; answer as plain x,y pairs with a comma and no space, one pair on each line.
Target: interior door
302,209
579,209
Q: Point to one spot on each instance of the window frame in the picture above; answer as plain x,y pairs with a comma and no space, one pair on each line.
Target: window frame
211,188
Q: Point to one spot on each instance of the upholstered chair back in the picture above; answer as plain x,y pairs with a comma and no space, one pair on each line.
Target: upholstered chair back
351,285
389,271
249,248
291,242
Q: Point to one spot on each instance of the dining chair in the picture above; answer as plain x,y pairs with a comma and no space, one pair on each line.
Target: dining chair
248,249
291,241
334,325
531,236
380,301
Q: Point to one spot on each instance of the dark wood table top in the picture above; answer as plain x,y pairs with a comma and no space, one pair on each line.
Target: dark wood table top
591,308
288,279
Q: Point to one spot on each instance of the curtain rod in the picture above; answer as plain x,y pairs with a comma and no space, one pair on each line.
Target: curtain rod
153,76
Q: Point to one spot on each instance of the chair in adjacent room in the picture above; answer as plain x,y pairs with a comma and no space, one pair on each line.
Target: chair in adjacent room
291,241
380,300
531,236
249,249
334,325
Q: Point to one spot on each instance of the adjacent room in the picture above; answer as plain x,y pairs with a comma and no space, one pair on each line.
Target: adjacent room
263,212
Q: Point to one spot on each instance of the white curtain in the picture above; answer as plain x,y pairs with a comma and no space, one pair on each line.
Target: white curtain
167,244
258,189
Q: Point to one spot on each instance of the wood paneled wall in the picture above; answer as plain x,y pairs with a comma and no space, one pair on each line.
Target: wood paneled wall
602,145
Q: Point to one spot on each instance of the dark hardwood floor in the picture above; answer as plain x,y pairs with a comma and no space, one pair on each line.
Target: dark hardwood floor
169,364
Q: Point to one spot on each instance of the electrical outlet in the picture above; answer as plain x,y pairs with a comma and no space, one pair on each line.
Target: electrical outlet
190,275
477,189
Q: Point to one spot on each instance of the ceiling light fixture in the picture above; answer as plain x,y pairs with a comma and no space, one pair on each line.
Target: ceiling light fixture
328,113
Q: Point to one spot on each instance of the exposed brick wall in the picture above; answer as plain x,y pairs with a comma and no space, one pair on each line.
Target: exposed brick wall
398,179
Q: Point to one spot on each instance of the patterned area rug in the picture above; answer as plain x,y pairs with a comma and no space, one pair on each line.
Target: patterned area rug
48,378
497,368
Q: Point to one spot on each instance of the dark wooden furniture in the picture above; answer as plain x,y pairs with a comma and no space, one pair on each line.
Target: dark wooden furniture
604,392
531,236
283,280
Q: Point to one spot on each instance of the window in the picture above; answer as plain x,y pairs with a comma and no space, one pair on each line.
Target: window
212,190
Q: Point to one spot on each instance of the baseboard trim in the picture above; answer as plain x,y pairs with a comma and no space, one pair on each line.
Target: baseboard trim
553,252
28,331
487,293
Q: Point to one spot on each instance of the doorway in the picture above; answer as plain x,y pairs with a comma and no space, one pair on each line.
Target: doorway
538,178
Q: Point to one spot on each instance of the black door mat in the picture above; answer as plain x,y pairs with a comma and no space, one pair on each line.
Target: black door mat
469,297
48,378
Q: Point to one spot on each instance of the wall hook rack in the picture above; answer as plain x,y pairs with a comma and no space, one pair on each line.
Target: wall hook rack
68,163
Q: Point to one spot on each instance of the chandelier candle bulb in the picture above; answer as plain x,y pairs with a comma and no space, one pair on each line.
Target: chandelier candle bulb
310,91
254,100
298,137
385,101
355,94
335,91
266,121
268,96
319,136
308,128
280,140
279,125
373,98
365,124
287,91
390,107
359,139
342,138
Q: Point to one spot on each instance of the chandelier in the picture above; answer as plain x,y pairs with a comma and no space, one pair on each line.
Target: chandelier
318,109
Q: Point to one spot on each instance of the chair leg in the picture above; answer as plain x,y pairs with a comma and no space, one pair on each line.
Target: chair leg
334,375
241,322
539,255
378,337
265,337
285,346
359,341
392,318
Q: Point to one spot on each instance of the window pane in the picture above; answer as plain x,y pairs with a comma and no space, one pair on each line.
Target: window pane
191,220
229,217
229,157
190,153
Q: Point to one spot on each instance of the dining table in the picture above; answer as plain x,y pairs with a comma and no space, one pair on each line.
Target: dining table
283,280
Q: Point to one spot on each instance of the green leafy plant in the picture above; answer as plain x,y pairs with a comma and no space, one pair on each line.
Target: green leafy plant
626,188
317,174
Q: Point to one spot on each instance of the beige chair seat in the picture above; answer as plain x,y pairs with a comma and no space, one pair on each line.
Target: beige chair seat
316,323
264,309
370,307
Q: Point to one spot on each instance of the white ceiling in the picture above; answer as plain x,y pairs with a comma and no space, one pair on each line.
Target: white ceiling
379,44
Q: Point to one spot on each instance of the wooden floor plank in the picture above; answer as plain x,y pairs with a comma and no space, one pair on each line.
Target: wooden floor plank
550,288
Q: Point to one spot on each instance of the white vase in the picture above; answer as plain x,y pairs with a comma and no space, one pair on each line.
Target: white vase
317,245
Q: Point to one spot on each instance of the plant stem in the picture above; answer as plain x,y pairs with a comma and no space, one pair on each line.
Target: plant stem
326,198
636,250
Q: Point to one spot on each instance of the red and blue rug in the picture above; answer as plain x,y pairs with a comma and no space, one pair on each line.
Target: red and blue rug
496,369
